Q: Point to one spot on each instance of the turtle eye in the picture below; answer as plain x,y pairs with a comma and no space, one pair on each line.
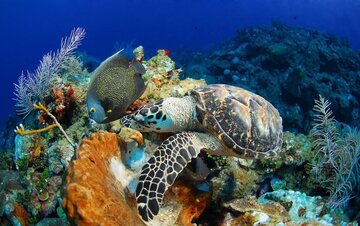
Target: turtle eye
92,110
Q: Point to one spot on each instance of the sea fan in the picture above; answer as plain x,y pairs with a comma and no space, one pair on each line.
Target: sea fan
340,153
347,170
23,98
324,132
32,87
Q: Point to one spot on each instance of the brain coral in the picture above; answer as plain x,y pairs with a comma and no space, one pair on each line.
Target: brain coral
92,195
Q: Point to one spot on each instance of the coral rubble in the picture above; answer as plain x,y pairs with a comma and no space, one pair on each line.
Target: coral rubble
249,211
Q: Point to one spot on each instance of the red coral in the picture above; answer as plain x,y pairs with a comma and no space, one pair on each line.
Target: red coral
71,91
20,214
63,100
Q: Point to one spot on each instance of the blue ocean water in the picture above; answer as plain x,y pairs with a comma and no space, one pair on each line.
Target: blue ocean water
29,29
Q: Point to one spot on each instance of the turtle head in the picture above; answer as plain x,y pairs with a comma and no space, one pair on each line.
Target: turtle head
164,115
151,118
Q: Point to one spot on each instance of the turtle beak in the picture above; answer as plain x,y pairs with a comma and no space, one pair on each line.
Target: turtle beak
140,120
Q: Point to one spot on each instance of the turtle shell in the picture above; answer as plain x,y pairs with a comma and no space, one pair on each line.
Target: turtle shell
246,124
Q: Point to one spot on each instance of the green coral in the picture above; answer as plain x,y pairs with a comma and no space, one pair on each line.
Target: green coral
40,162
234,181
298,146
247,180
296,150
32,220
23,197
60,212
294,163
159,66
42,182
218,159
5,160
23,163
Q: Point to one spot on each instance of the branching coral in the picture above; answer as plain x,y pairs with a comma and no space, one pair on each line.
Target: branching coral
32,87
338,154
21,130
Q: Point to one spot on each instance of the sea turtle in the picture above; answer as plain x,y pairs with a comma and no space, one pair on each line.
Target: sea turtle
220,119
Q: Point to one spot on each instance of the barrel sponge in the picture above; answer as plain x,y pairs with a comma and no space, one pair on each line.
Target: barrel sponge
91,194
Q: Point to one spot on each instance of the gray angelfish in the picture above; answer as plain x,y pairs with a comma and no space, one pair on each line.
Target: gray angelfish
115,85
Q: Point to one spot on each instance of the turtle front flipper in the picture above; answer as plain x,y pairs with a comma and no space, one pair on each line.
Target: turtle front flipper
160,172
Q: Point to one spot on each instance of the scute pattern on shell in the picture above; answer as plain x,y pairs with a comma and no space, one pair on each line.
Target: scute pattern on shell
245,123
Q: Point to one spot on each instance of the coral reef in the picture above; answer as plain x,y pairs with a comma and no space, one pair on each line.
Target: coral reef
42,157
96,189
163,79
301,207
160,67
234,181
290,67
10,188
33,87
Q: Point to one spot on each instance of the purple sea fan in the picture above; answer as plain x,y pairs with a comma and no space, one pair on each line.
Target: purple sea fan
32,87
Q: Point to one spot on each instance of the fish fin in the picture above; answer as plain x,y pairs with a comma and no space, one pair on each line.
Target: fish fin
118,52
107,103
117,59
123,61
114,55
138,67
